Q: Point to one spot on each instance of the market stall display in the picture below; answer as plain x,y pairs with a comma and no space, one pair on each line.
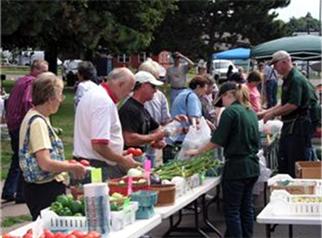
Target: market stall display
186,168
121,223
292,201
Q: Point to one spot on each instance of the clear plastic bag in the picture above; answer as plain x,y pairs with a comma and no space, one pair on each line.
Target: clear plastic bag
173,129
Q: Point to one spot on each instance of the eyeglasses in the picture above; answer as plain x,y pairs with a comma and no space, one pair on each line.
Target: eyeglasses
152,85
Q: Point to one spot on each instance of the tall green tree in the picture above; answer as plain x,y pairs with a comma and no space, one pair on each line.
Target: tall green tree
198,28
77,28
304,24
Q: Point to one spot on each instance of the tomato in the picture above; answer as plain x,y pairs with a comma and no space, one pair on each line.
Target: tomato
48,233
71,236
137,152
85,162
7,236
95,234
59,235
89,236
131,150
72,161
78,234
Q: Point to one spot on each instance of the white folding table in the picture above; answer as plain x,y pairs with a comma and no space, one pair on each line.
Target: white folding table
270,220
191,197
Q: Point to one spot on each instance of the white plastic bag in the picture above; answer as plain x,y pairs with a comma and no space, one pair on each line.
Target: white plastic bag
270,127
265,174
196,137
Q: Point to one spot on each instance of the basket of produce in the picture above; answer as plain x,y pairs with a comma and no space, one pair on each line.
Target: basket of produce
124,217
295,186
117,201
166,193
65,213
284,203
66,205
120,185
54,222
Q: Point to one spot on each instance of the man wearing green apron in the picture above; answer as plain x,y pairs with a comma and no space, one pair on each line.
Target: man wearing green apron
295,141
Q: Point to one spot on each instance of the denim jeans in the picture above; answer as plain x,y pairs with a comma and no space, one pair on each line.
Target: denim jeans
238,207
271,93
13,186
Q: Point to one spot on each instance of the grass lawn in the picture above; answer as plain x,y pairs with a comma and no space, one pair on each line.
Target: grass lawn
19,70
64,119
14,70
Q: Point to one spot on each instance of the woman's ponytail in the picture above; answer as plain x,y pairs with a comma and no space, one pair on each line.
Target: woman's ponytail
242,95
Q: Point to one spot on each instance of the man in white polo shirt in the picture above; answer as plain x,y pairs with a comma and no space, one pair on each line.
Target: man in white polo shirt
98,132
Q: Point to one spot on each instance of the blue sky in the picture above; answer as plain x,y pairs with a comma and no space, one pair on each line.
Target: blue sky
299,8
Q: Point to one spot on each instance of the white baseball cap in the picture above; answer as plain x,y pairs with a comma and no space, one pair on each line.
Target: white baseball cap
146,77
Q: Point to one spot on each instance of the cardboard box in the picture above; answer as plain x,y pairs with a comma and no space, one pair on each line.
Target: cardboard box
308,169
295,189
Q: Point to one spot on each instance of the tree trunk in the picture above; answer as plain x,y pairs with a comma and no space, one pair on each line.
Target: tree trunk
51,58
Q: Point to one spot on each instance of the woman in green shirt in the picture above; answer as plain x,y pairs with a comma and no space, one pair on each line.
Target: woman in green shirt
238,134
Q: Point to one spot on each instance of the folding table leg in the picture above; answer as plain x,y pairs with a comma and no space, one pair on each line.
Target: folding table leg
205,215
290,231
268,230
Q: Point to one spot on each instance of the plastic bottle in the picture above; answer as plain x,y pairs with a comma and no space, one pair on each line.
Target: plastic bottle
97,208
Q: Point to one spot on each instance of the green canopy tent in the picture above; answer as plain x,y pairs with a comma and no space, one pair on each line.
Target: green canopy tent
304,47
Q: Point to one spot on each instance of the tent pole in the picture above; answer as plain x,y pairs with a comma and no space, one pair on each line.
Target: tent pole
307,69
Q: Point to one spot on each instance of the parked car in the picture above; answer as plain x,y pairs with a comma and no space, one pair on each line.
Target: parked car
70,71
220,68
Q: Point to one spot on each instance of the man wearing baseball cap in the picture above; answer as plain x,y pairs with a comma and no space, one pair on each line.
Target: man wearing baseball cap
139,128
295,141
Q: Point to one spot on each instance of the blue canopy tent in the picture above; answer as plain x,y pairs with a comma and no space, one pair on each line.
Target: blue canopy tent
242,55
238,53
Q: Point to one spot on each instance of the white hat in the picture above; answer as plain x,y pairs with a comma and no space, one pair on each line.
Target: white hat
146,77
279,55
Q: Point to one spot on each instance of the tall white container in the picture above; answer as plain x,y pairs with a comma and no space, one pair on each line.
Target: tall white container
97,208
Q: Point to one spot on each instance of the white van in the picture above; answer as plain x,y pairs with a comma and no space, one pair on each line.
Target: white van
220,68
